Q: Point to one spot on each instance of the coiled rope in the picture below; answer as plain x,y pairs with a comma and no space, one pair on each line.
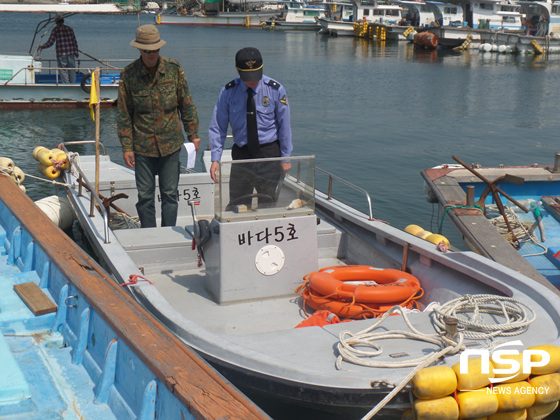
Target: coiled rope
517,315
519,229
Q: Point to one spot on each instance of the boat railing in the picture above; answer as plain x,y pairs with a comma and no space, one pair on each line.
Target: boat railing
329,192
82,181
30,71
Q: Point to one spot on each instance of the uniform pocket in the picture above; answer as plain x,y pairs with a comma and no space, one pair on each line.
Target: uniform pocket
141,101
168,97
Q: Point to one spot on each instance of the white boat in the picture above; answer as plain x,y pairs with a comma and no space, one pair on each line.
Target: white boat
296,15
28,81
541,36
225,278
479,20
369,12
212,13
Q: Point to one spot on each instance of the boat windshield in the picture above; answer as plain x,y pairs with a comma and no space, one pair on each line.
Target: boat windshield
265,188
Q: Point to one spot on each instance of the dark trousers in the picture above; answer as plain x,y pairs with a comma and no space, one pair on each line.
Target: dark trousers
264,177
167,168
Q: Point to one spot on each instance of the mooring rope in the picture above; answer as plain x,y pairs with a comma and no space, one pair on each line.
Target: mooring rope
358,348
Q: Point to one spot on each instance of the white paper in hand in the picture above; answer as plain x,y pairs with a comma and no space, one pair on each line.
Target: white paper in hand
191,153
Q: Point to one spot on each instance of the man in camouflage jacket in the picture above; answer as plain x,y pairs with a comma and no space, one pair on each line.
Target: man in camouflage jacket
154,99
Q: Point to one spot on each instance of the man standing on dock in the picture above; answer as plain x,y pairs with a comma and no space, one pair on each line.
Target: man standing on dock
154,100
257,109
66,50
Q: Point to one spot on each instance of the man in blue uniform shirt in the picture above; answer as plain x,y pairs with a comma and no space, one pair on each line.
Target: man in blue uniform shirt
257,109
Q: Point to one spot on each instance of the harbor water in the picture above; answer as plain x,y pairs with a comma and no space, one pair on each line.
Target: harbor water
373,113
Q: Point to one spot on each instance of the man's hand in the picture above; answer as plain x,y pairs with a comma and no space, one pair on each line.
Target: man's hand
213,169
196,143
286,166
129,158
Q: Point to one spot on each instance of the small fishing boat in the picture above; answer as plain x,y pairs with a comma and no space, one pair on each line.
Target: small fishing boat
28,81
363,14
508,214
295,16
235,278
480,20
245,13
74,345
541,31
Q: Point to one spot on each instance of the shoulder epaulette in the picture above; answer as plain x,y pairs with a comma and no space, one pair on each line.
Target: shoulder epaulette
274,84
230,84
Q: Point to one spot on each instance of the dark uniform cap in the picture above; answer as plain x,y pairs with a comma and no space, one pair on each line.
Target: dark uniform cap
249,64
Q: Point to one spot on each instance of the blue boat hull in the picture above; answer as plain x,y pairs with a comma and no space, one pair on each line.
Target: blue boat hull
98,355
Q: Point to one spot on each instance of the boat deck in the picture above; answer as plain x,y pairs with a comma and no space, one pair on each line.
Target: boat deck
38,378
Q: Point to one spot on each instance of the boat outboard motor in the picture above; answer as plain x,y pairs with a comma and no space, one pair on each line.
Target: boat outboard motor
201,234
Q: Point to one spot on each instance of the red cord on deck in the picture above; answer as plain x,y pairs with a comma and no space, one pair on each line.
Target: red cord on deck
134,279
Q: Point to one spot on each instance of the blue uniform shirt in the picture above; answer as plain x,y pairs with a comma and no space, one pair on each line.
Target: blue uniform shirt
273,116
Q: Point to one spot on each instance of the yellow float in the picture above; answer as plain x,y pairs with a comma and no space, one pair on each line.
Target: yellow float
17,175
434,382
444,408
514,396
45,157
554,363
511,415
60,158
547,388
37,150
477,404
427,235
505,365
541,411
474,379
6,163
49,171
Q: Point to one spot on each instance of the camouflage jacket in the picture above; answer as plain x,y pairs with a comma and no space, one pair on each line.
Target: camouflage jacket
150,112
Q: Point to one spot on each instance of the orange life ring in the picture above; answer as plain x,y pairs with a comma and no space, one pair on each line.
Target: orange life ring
348,309
364,284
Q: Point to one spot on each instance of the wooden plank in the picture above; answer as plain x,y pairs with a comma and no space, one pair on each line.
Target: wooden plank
35,299
196,385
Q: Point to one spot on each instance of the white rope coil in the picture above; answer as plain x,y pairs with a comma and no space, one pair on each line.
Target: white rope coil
518,316
359,348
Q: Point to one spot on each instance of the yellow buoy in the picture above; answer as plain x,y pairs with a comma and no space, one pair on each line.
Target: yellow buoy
45,157
476,404
554,363
6,163
436,239
37,150
22,187
541,411
474,379
444,408
413,229
520,376
49,171
547,388
17,175
61,158
434,382
510,415
515,396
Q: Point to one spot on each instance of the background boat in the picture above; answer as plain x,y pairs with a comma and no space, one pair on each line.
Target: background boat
525,234
28,81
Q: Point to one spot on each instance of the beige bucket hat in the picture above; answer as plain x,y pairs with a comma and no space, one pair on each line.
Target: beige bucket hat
147,38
